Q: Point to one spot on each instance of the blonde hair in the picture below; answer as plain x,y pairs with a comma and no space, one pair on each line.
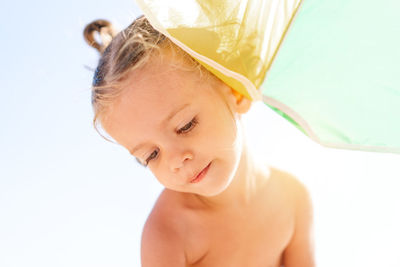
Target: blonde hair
123,53
120,54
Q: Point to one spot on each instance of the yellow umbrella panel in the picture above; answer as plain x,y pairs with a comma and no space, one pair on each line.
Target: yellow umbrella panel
329,67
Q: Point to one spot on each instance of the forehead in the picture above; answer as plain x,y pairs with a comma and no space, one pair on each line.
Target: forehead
150,93
166,73
163,82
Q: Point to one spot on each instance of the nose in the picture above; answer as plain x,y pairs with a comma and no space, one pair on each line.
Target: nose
179,159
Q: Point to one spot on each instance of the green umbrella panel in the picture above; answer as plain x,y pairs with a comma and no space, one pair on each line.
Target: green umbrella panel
329,67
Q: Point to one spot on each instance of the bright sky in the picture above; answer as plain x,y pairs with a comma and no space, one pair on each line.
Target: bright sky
69,198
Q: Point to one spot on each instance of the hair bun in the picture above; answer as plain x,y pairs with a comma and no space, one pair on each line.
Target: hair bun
105,32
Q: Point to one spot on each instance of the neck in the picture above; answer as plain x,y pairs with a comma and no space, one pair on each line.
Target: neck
245,186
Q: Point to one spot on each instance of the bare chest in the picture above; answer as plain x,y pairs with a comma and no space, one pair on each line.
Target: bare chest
255,238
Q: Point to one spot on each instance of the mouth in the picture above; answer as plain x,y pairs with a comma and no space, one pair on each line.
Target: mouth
200,175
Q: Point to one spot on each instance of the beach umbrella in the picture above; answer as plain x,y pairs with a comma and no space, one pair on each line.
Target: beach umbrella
330,67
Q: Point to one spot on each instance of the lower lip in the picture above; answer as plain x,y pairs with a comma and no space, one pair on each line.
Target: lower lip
201,175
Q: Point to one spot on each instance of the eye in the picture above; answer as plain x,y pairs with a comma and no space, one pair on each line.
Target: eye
153,155
188,127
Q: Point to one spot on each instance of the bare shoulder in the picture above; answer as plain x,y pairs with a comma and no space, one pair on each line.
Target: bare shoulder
292,188
300,250
163,235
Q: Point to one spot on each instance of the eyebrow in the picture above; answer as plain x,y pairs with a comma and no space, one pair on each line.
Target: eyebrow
169,117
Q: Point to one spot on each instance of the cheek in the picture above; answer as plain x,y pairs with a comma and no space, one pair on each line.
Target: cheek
219,125
159,175
230,142
162,180
165,178
225,133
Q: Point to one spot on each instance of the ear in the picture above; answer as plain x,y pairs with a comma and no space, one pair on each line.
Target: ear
237,102
241,103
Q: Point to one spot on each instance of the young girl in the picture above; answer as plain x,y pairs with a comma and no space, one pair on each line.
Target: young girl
219,206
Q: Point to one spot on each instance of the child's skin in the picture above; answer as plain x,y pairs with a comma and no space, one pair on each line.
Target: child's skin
239,213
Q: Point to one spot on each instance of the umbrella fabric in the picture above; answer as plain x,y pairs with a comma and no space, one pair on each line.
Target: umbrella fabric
329,67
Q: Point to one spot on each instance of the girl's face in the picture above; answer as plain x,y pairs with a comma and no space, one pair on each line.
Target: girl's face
181,125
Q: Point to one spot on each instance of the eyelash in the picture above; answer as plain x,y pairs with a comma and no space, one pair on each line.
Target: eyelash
184,130
188,127
153,155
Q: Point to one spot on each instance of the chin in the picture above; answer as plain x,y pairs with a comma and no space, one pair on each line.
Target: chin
220,185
